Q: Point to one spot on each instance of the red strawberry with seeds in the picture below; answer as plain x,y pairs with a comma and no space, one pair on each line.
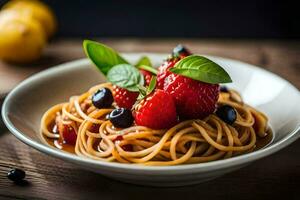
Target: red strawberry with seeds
163,72
193,99
156,111
123,97
179,52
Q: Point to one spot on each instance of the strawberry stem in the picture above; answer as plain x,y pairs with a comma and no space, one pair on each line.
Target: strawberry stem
145,91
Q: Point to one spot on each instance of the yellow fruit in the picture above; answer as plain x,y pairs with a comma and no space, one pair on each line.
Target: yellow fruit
39,11
21,37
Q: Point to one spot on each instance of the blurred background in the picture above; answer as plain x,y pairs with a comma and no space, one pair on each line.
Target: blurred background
165,18
37,34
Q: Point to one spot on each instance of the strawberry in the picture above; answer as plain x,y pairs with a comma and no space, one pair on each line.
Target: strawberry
157,111
163,72
123,97
193,99
179,52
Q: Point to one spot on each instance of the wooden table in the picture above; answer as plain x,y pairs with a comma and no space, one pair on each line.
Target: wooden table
50,178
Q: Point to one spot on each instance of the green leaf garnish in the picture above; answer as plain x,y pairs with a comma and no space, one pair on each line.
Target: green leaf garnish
148,68
144,61
152,85
126,76
145,64
146,91
102,56
202,69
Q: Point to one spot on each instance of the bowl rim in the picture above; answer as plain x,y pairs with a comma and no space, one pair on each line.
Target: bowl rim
208,166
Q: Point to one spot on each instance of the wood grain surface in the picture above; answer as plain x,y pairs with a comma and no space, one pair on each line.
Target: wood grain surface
49,178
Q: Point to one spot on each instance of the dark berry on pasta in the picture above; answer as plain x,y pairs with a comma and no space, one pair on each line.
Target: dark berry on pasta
180,50
121,117
103,98
227,114
224,89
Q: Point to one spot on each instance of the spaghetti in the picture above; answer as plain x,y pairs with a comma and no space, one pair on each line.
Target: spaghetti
191,141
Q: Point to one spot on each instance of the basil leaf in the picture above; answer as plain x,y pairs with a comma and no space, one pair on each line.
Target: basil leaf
126,76
202,69
148,68
144,61
152,85
102,56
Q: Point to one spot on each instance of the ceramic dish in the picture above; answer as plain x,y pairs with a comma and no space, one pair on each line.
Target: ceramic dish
24,106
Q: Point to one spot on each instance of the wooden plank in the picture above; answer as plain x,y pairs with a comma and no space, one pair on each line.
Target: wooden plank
51,178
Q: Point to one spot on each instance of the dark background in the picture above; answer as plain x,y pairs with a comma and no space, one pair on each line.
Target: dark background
159,18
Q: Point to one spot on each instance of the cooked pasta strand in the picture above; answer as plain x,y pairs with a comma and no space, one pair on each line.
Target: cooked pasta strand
191,141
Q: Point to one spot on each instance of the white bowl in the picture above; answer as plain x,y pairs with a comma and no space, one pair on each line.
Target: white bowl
24,106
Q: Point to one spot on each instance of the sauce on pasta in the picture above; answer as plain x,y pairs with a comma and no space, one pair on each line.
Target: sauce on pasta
190,141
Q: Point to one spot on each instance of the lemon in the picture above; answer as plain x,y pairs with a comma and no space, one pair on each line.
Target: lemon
21,37
38,10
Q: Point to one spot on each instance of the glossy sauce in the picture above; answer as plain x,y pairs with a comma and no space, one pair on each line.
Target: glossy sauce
56,142
60,145
263,142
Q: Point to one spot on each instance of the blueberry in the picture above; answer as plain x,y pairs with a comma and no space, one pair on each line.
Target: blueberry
103,98
180,50
16,175
121,117
224,89
227,114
